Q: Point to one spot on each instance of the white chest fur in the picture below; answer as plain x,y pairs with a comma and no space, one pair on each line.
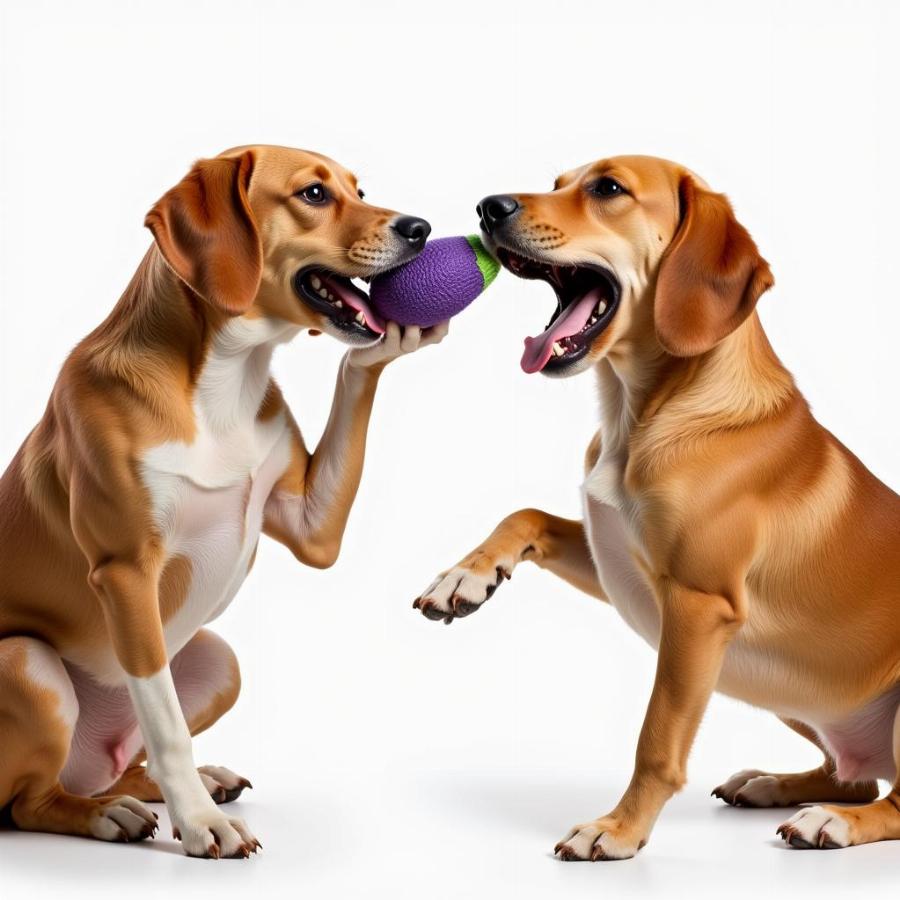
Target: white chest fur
610,515
612,548
208,495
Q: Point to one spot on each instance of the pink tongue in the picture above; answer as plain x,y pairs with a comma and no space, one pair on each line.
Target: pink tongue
351,298
539,349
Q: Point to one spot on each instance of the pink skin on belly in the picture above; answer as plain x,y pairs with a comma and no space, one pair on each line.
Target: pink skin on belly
106,735
862,743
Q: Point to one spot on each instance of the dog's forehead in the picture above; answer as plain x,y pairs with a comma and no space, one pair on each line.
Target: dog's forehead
642,171
293,165
322,167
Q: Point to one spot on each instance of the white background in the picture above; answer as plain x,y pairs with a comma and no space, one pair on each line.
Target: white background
392,756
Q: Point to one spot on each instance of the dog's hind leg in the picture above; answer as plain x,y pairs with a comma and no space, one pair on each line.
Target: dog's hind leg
755,788
38,712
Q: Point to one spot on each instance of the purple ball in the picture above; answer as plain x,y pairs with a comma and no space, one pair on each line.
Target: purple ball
440,282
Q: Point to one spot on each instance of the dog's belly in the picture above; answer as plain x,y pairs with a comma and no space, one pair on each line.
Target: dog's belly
862,743
106,735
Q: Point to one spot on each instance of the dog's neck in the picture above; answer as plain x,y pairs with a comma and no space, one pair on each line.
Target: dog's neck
235,374
161,337
736,383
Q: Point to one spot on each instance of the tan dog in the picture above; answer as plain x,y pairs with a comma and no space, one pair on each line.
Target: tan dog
131,514
727,527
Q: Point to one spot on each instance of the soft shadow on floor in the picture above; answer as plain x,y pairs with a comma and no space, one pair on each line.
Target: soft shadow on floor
46,860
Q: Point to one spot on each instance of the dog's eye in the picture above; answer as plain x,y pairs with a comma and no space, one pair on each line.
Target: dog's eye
362,194
607,187
314,193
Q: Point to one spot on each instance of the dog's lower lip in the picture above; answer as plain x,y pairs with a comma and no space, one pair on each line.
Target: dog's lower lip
335,296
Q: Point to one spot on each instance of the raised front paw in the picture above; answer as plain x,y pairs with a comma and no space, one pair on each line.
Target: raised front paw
213,835
602,839
398,340
462,590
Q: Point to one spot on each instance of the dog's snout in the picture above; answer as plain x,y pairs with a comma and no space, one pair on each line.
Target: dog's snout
495,210
412,229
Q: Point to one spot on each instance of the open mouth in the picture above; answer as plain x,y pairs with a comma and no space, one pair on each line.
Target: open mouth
345,304
586,300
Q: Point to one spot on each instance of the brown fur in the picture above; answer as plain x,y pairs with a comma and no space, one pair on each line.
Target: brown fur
84,568
772,556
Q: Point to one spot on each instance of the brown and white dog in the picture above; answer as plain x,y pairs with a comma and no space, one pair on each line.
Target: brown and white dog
131,514
727,527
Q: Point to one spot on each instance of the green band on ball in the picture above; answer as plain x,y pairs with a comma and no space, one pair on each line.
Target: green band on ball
487,265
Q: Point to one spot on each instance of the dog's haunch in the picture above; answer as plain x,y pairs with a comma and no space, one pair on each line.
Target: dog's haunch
439,283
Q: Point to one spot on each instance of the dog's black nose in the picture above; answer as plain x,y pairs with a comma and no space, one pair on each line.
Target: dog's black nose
495,210
412,229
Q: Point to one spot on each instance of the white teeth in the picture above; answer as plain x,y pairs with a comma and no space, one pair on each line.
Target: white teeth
331,297
323,292
316,282
601,307
557,349
360,318
339,304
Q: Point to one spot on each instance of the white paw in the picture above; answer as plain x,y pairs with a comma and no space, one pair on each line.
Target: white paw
816,828
123,819
223,784
212,834
462,590
751,787
602,839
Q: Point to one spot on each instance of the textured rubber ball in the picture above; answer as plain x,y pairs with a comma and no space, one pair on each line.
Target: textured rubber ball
440,282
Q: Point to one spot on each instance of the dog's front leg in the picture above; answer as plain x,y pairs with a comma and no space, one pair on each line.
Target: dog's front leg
128,591
696,630
556,544
308,508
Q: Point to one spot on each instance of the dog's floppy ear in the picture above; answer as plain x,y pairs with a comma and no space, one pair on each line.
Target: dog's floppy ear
207,234
710,277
